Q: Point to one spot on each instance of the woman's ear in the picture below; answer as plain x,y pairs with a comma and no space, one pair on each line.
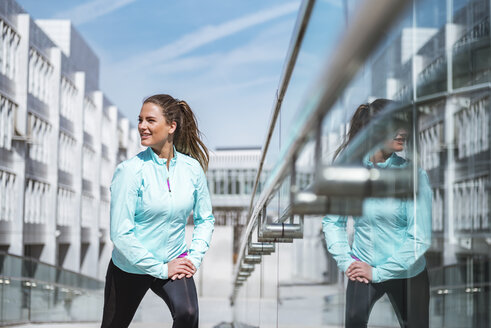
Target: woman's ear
173,127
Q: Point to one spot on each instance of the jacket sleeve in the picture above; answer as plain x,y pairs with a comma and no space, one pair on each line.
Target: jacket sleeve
204,221
334,228
124,188
418,236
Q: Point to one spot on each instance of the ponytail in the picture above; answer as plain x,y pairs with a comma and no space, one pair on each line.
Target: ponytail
187,137
362,116
358,121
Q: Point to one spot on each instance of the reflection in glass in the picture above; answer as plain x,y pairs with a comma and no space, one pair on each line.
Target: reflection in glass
392,235
435,62
38,292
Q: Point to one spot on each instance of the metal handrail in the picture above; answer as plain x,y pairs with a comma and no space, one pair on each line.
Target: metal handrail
300,28
371,20
50,283
298,33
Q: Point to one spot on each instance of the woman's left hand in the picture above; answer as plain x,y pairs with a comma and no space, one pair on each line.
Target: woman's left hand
182,275
359,269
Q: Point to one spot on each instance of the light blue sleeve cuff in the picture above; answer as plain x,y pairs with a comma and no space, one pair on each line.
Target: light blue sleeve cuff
195,262
375,275
165,271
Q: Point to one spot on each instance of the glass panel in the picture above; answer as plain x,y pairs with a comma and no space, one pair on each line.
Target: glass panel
42,298
272,157
253,301
434,65
315,46
268,290
14,301
284,197
471,48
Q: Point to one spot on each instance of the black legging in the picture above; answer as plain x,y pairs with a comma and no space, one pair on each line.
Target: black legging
410,299
124,292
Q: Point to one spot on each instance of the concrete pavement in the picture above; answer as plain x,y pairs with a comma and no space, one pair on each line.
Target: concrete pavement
96,325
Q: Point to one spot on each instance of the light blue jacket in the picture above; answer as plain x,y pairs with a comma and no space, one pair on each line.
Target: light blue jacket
148,221
391,236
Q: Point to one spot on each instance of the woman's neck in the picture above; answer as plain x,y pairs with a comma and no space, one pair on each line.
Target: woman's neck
380,156
167,152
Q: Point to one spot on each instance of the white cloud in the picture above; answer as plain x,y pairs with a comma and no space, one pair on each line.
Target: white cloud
186,64
228,89
254,52
206,35
91,10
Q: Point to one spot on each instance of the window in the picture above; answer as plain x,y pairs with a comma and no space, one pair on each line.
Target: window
9,42
7,109
106,172
471,204
90,168
90,125
36,202
104,214
68,98
107,132
40,131
7,196
66,160
472,125
89,213
40,73
65,208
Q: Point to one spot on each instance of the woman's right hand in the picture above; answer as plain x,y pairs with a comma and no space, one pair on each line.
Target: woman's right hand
180,267
359,271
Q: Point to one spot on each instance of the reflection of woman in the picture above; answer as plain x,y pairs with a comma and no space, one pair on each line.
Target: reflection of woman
386,256
152,195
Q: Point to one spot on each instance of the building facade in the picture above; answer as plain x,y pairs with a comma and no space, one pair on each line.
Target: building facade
60,140
231,176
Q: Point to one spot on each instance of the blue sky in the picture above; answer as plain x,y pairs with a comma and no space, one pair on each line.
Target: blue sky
222,56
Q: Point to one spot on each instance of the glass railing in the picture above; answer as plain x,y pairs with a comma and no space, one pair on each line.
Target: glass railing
431,60
32,291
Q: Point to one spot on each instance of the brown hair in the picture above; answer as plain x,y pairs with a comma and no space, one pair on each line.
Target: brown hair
187,137
362,116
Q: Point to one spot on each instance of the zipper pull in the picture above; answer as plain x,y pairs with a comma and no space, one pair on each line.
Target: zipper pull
168,184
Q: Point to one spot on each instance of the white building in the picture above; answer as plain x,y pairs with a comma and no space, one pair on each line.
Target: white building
60,139
231,175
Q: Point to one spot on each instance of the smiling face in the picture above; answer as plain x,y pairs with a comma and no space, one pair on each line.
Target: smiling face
397,143
153,127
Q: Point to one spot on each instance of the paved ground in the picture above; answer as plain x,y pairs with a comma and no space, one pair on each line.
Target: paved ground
153,313
93,325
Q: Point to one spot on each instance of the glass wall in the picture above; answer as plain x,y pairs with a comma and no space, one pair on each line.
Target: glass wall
31,291
402,183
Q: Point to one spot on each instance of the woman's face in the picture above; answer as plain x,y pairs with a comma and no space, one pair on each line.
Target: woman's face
397,143
153,127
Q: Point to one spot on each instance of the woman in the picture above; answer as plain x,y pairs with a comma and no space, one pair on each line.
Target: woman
386,256
152,195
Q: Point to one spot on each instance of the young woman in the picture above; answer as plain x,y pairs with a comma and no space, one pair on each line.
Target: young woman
386,256
152,195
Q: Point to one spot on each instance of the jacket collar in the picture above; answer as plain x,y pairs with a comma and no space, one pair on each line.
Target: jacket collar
388,162
162,161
